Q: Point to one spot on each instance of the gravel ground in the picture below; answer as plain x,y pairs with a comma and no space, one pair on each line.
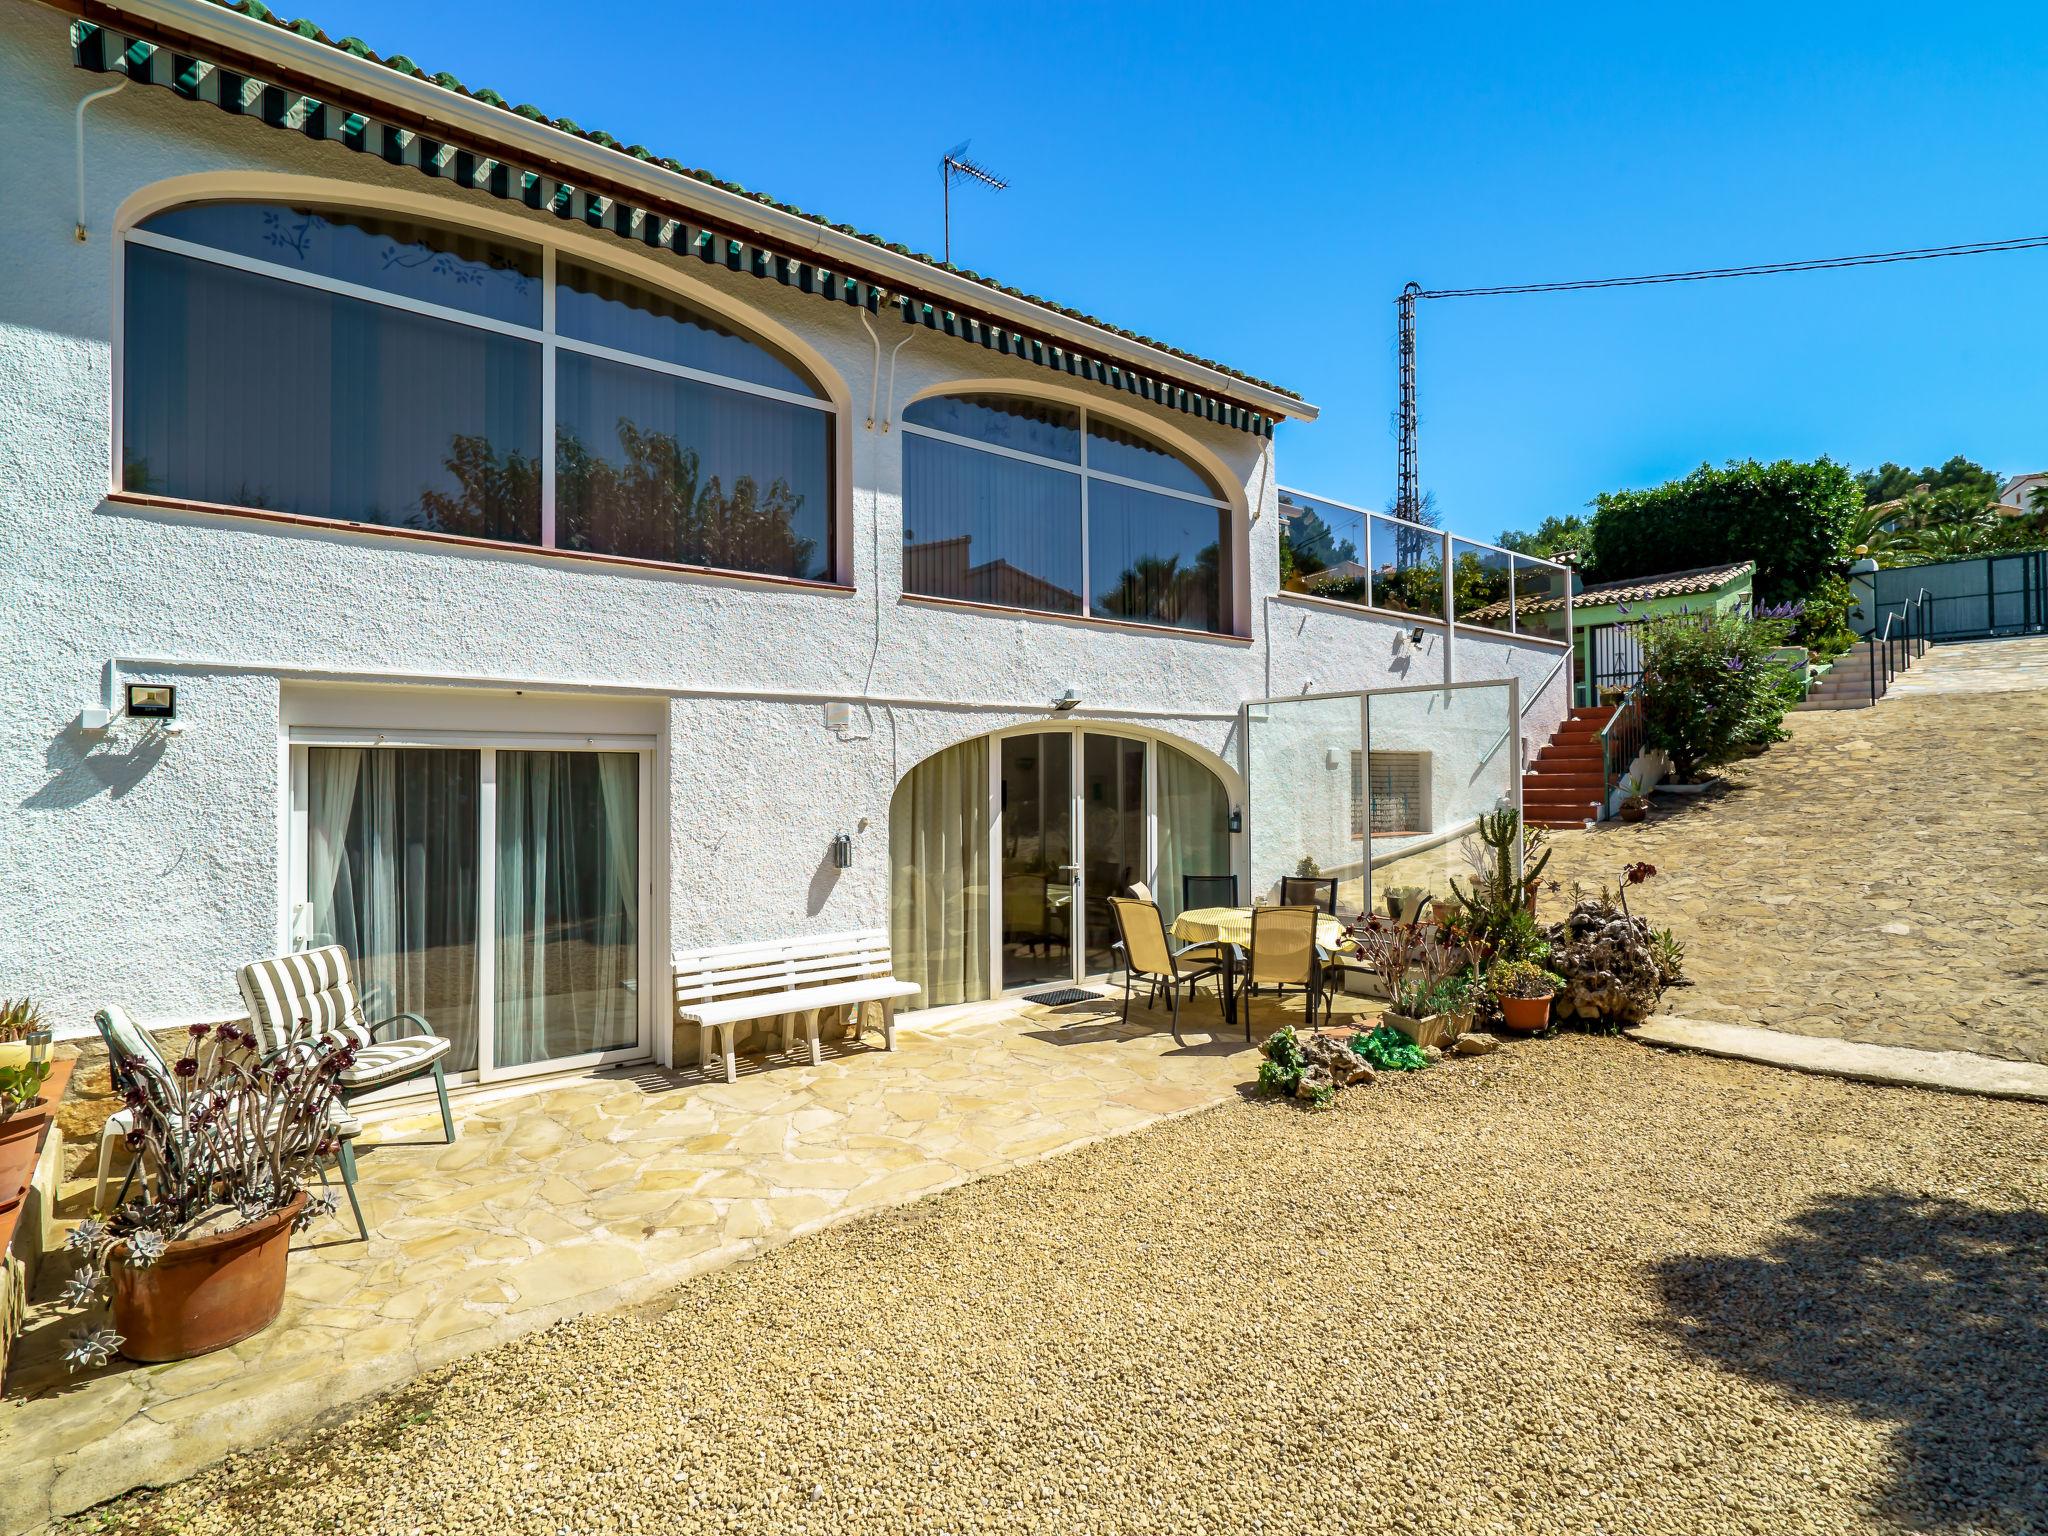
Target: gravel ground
1577,1286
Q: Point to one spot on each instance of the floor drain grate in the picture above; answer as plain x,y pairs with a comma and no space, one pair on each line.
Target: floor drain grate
1063,996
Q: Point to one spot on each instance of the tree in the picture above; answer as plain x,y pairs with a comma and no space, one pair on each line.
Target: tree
1789,517
1554,536
1889,481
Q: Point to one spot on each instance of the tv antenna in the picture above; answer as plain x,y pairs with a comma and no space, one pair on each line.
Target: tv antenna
955,166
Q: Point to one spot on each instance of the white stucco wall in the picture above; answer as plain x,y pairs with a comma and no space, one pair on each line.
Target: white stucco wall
143,869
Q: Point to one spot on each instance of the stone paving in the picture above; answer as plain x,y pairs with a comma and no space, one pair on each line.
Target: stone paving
592,1194
1881,877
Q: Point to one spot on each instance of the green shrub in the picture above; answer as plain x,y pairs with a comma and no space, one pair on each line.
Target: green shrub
1790,518
1710,688
1386,1049
1281,1071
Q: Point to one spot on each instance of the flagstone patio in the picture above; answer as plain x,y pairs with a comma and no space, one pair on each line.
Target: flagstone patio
591,1194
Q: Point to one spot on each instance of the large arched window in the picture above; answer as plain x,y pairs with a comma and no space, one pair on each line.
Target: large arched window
371,368
1034,504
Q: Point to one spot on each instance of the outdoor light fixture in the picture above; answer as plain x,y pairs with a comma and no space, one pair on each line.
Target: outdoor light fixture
1415,635
1237,818
842,851
1066,701
838,716
152,701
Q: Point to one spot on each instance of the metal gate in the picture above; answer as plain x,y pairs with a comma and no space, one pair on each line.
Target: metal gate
1975,599
1614,658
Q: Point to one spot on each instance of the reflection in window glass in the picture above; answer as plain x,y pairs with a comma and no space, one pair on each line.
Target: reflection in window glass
990,529
1481,580
597,307
664,468
1407,567
1117,450
1028,426
1156,559
391,254
255,392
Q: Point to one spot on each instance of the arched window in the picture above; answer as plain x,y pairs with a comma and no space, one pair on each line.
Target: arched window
1034,504
373,368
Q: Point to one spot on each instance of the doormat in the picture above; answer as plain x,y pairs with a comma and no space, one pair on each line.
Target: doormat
1062,997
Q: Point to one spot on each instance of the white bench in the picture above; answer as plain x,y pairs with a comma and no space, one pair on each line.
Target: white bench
719,989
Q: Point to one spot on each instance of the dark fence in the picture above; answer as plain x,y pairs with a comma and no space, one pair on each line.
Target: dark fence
1975,599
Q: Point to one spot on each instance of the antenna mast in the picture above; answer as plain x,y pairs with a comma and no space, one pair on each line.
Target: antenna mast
955,166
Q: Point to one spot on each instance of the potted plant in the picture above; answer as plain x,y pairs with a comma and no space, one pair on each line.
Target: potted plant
1412,962
1635,799
24,1068
235,1139
1524,991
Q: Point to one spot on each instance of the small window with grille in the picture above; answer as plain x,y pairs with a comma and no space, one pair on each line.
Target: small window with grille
1390,793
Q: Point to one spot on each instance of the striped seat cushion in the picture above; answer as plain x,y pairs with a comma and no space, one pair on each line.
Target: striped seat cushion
302,996
389,1060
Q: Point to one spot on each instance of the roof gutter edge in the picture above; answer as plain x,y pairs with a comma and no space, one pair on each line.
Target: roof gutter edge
205,20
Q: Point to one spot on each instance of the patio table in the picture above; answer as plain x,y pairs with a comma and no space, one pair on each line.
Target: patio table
1232,928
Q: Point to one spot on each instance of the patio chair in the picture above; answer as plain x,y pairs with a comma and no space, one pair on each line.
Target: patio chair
1146,953
1208,891
1141,891
1284,954
135,1064
1297,889
312,993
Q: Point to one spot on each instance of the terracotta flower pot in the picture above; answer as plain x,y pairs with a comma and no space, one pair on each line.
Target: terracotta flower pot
26,1122
1634,812
205,1293
1528,1014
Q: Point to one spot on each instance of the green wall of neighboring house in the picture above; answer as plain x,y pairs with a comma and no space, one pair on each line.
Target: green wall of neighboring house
1735,592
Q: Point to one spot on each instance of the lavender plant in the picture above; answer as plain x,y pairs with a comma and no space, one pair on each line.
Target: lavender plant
233,1136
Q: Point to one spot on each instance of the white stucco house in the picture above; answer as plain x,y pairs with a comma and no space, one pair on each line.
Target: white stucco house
442,530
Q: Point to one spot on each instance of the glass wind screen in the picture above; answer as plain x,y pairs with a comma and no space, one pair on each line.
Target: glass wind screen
255,392
391,254
1437,759
391,876
1481,586
1116,450
990,529
1299,772
609,311
1407,567
1039,427
1323,549
1155,559
665,468
1540,591
568,891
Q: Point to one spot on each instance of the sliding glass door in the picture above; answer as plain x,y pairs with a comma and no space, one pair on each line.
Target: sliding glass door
1006,849
495,891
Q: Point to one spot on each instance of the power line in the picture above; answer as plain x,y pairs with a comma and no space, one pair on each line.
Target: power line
1758,269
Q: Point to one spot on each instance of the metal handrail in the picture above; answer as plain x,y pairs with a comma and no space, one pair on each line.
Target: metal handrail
1631,706
1536,693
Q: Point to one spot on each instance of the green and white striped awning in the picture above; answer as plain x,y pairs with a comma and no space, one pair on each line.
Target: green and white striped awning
104,50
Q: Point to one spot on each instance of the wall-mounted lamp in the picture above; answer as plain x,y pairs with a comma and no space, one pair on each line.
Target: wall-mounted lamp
152,701
838,716
842,851
1415,635
1237,818
1066,701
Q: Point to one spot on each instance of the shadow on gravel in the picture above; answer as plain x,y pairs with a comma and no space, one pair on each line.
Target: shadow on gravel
1928,1313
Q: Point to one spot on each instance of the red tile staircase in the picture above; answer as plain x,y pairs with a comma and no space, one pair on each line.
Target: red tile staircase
1568,780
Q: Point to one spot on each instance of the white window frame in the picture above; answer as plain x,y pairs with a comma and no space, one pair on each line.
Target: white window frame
651,980
546,336
1226,567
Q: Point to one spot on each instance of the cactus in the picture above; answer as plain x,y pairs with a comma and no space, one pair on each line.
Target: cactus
1494,895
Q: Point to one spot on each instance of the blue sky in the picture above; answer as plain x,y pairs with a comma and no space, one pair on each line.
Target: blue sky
1256,183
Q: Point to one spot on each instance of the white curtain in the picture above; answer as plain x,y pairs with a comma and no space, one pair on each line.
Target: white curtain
568,906
391,868
938,881
1194,826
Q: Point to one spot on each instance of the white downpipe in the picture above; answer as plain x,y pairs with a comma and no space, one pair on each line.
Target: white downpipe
99,95
889,399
